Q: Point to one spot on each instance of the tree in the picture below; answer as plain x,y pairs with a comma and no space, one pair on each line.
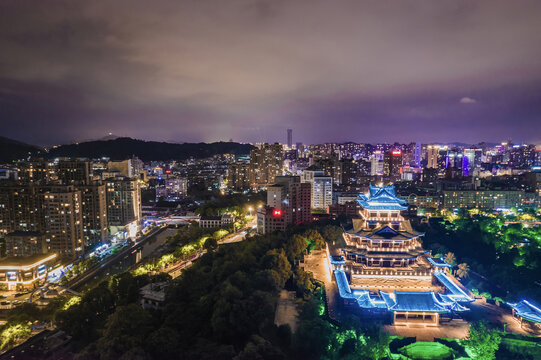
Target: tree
259,348
124,287
83,320
332,233
303,280
315,240
295,246
463,271
377,343
482,341
275,260
13,332
210,244
450,258
127,328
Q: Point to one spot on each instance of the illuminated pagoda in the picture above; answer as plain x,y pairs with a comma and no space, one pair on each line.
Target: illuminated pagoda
528,315
388,269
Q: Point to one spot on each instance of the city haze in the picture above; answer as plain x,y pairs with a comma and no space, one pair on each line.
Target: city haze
205,71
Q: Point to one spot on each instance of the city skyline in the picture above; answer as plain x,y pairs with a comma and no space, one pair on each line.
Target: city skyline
190,72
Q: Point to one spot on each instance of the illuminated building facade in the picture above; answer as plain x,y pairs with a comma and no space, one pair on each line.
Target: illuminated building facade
19,273
266,162
64,220
321,188
94,212
25,243
488,199
74,171
270,220
388,269
392,161
209,222
528,316
123,201
288,202
238,176
432,156
37,171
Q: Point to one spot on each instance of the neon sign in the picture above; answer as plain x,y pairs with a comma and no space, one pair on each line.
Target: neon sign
11,275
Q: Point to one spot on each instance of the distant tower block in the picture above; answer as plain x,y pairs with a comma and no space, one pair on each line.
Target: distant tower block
289,138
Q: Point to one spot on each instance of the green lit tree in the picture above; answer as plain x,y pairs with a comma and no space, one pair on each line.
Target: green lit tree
482,341
315,240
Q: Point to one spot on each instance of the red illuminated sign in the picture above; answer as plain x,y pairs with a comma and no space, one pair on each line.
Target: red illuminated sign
277,213
397,152
168,171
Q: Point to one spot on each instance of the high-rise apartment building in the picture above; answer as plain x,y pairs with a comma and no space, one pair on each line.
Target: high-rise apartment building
25,243
289,139
392,161
174,188
94,205
123,201
20,207
36,171
62,207
432,156
299,202
238,176
266,162
94,202
52,210
288,202
321,193
417,155
74,171
346,171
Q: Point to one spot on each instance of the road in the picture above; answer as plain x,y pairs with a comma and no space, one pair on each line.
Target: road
137,245
233,238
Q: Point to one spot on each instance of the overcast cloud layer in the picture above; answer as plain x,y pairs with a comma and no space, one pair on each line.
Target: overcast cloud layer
365,71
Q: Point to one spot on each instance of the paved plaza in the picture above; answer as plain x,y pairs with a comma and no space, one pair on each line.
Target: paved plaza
286,310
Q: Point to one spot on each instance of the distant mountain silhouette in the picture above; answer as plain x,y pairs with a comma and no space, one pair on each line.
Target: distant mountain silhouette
124,148
11,150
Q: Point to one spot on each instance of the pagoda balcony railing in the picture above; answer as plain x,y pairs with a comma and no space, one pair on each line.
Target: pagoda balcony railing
388,272
382,218
413,246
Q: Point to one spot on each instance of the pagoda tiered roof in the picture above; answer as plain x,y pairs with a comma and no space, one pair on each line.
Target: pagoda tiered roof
382,198
385,232
402,301
527,310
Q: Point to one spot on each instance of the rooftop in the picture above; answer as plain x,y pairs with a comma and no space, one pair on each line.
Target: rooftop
527,310
382,198
413,301
25,262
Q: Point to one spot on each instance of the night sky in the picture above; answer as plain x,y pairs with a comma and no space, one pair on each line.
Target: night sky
363,71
